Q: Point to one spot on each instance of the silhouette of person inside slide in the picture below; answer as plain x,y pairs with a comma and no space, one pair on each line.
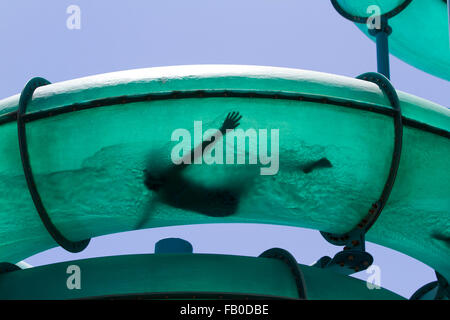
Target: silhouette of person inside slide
174,189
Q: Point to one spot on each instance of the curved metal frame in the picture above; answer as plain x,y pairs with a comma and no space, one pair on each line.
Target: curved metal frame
358,19
25,97
289,260
374,212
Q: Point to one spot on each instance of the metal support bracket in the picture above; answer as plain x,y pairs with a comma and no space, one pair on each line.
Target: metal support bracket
354,258
25,97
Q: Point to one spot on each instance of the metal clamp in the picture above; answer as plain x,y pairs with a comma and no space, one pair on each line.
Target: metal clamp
25,97
354,256
289,260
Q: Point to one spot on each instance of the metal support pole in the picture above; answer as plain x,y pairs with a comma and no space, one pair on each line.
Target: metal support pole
381,36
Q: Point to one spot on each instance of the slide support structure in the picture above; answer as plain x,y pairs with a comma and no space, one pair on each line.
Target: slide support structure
291,262
354,258
381,33
25,97
382,36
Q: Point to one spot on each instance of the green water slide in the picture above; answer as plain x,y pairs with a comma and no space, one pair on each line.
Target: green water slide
187,276
90,140
420,30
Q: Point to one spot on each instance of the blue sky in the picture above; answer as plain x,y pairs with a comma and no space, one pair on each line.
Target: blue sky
135,34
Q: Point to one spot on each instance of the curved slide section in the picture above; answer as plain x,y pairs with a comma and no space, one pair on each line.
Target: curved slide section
94,142
160,277
420,33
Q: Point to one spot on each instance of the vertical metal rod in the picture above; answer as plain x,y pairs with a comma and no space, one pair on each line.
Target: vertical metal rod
383,49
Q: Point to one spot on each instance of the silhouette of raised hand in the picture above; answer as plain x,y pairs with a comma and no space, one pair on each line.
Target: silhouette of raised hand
231,122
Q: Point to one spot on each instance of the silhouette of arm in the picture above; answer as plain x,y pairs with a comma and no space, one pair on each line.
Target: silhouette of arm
231,122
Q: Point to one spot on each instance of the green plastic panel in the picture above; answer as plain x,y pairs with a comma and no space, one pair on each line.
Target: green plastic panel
166,274
420,34
89,165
